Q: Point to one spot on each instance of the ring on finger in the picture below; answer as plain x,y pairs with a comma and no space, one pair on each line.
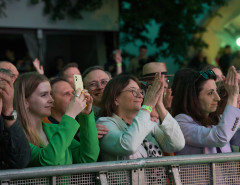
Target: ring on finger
76,95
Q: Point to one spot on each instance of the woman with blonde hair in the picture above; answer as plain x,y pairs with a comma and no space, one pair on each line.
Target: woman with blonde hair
53,144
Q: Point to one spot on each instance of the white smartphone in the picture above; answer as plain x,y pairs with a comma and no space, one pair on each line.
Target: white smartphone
78,83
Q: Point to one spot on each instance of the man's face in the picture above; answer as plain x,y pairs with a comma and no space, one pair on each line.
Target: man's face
142,52
12,68
95,82
68,74
62,92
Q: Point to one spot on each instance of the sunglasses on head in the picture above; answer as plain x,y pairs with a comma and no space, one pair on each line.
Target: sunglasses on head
207,74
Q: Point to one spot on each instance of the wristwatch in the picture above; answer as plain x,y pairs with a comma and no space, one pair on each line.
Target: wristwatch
13,116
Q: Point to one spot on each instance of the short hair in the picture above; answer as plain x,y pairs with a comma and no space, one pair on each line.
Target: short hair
56,80
61,73
112,90
227,46
143,47
93,68
185,99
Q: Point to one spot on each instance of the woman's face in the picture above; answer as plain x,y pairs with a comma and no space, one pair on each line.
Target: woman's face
40,102
219,74
126,101
208,97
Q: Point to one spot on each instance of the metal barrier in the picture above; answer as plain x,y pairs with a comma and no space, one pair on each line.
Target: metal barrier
191,169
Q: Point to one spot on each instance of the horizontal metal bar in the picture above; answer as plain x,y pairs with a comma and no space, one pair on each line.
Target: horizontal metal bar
117,165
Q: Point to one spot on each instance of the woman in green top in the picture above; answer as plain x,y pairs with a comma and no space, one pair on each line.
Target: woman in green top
53,144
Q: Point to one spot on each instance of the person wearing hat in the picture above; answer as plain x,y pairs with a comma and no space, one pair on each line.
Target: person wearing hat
148,74
149,71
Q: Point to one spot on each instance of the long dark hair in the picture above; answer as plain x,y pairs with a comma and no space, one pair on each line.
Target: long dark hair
112,90
185,95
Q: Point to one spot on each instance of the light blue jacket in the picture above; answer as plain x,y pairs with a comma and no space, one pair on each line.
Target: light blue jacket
124,142
202,140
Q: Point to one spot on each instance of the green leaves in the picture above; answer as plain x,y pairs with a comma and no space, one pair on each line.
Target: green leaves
177,19
59,10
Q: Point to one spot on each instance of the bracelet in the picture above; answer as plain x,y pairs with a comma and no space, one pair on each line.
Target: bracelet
119,64
147,108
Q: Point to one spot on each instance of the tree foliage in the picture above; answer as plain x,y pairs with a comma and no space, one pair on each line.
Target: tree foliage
58,9
177,19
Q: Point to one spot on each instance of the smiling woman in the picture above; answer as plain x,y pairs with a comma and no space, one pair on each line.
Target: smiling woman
131,133
53,144
194,105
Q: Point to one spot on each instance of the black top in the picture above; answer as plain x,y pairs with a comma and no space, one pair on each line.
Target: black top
14,148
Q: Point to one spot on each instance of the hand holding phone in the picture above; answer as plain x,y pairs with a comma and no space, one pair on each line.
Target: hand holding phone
78,83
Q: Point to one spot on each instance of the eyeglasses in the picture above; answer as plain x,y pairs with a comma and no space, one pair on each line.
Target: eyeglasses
136,92
207,74
94,85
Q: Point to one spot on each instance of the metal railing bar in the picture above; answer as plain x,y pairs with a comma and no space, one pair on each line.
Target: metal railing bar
117,165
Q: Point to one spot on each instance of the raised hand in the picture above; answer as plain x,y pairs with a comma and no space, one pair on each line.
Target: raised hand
76,105
231,86
153,92
161,110
89,101
38,66
6,93
167,100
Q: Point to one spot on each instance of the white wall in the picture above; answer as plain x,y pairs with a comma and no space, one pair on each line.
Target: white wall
21,14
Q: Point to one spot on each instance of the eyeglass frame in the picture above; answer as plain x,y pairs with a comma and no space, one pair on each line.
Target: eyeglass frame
132,90
97,83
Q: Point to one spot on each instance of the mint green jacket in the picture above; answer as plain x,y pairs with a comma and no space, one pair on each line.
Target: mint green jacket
62,148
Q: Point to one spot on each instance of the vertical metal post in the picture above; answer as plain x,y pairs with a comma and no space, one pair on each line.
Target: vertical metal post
213,174
138,177
54,180
102,178
176,176
141,177
134,177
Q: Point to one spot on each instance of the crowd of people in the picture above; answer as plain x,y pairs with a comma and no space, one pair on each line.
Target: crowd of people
117,115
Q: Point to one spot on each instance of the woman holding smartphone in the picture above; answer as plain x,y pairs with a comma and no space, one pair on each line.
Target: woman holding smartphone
53,144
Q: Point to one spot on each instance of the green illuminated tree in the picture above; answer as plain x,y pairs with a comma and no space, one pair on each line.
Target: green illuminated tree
177,20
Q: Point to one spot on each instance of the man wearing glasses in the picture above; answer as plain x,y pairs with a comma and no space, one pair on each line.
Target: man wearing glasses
95,80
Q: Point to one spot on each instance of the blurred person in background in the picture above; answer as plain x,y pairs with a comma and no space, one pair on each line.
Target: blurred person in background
198,61
137,63
68,71
218,72
115,66
225,60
